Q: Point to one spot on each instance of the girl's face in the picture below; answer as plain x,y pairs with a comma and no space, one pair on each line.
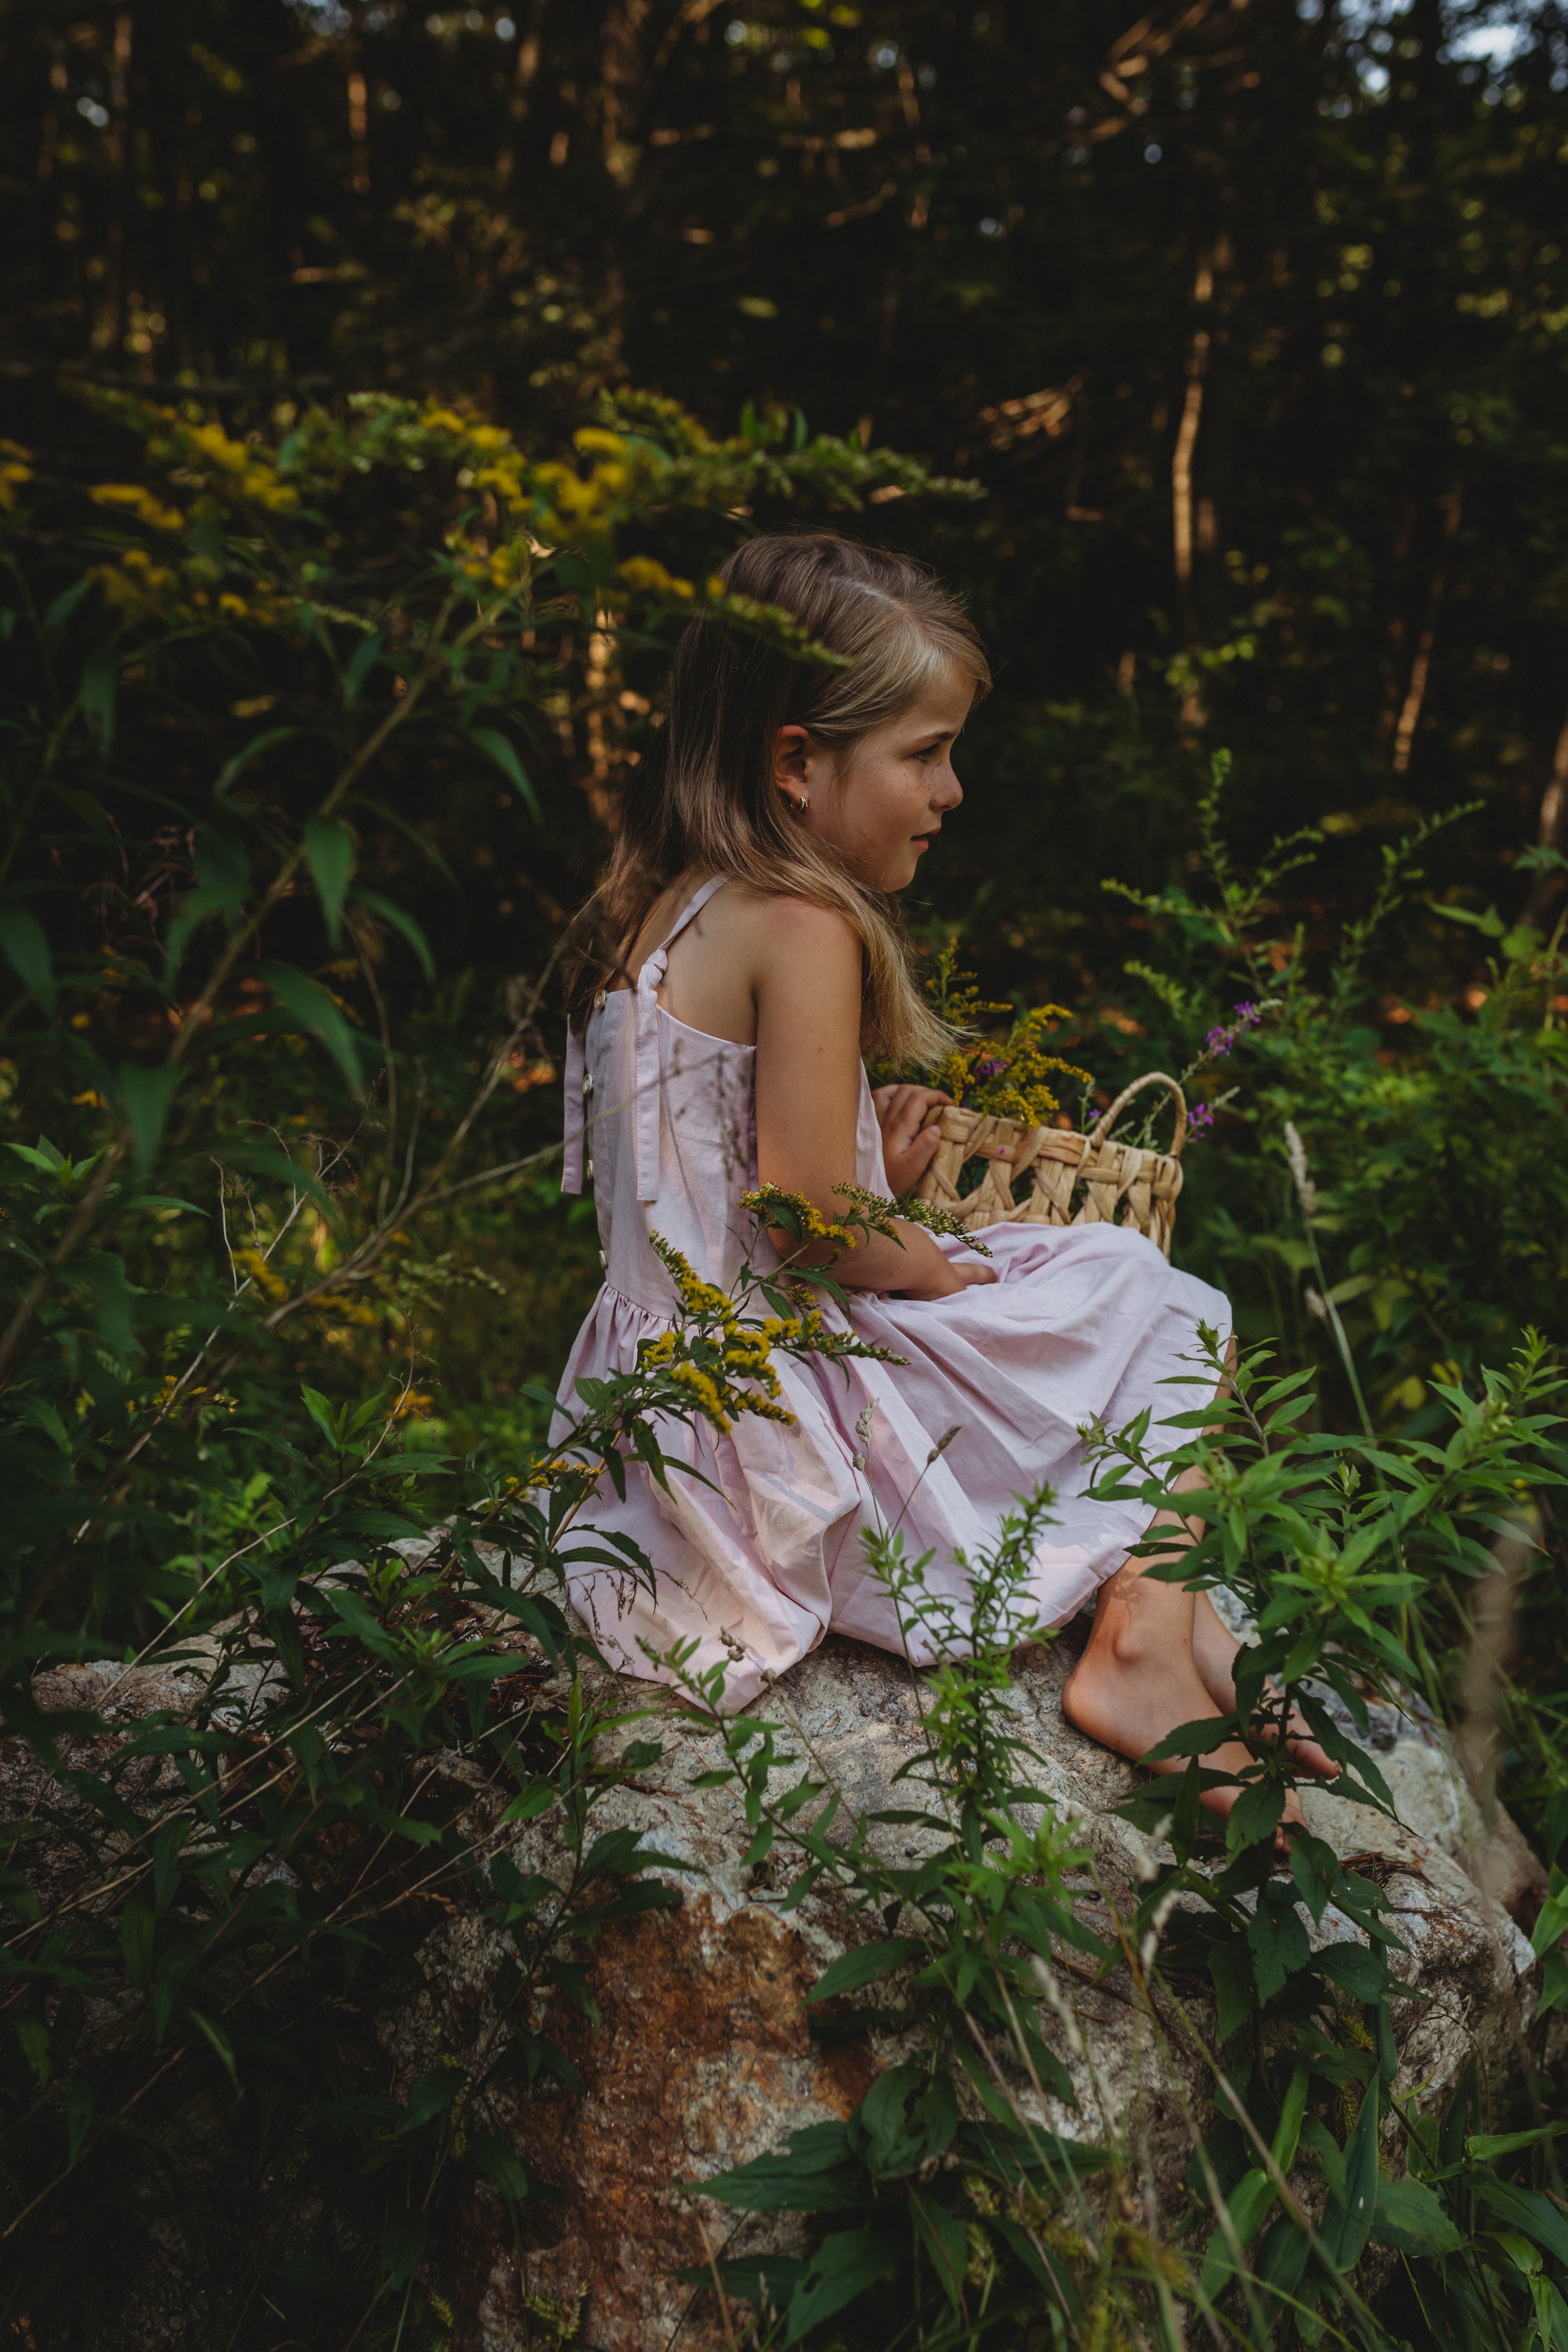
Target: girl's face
881,802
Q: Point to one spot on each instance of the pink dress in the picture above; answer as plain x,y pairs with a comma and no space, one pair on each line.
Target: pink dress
1083,1321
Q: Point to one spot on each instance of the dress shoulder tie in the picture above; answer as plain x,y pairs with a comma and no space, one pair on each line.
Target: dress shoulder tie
649,1077
649,1067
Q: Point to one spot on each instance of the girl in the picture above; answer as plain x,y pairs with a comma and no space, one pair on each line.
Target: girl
739,958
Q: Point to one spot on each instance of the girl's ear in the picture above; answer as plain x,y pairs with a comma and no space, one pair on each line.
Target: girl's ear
790,753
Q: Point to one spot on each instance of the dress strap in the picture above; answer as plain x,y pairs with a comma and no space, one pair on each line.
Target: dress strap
576,1070
649,1075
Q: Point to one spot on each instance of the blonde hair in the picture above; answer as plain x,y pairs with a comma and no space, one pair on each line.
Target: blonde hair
704,800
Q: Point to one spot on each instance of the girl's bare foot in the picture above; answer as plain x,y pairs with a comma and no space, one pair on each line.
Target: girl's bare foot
1214,1656
1158,1657
1127,1692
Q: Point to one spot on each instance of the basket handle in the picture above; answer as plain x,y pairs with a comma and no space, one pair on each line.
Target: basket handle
1107,1120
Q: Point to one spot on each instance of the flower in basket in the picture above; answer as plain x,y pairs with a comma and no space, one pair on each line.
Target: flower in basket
1009,1077
1001,1076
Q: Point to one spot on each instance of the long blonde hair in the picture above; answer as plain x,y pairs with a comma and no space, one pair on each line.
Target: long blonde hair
704,800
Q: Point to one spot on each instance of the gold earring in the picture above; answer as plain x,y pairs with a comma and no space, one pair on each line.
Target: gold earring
801,804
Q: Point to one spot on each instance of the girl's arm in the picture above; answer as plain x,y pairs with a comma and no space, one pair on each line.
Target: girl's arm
807,983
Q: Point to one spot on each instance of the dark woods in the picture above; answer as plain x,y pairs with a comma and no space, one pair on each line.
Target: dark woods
380,394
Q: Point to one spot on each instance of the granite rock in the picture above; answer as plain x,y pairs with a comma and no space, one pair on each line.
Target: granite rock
704,2058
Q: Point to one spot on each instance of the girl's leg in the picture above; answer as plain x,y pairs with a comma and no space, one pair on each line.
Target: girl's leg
1138,1679
1160,1656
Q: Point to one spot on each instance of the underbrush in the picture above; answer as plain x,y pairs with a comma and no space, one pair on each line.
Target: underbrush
282,1264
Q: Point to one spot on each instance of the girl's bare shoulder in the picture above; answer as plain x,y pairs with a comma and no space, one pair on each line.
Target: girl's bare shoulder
789,927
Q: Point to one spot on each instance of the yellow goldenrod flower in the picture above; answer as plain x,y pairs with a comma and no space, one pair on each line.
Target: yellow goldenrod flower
231,456
251,1262
136,500
644,573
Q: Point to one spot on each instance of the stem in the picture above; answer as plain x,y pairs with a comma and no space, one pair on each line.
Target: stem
1331,1314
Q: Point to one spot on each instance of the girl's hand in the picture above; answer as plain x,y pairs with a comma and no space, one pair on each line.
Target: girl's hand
911,1133
934,1275
910,1119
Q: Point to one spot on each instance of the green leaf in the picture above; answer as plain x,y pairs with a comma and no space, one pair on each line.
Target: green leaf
814,2173
367,654
1553,1984
537,1799
1246,2207
843,2267
99,676
1282,2257
1527,2211
390,913
618,1854
1288,2132
1187,1739
145,1096
1280,1945
329,854
1314,1867
268,1162
1412,2218
1347,2222
138,1931
63,606
265,741
945,2242
907,2116
1354,1968
26,948
1485,2146
1490,925
431,2095
859,1966
490,740
751,2278
314,1009
1236,1989
213,2033
502,2164
1255,1816
321,1413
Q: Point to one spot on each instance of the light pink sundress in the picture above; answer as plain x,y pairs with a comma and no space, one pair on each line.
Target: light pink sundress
1083,1320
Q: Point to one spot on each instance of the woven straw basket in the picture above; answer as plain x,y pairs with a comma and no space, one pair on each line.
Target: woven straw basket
1122,1183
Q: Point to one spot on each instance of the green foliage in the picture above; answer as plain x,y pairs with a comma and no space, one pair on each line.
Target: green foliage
277,1831
317,697
238,678
952,2231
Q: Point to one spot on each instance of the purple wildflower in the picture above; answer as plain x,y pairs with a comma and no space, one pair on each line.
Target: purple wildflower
989,1067
1246,1015
1218,1042
1200,1118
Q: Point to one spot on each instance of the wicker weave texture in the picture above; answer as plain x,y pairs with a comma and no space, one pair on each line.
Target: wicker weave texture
1121,1184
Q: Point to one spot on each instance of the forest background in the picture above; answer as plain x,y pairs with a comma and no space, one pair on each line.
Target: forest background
380,389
